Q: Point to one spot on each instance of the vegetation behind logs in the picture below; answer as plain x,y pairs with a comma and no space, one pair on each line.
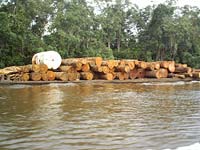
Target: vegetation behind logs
95,68
83,28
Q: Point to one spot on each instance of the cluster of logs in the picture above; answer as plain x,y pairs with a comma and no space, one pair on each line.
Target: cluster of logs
96,68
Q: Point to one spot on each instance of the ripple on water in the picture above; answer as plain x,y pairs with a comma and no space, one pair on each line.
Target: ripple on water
85,116
171,83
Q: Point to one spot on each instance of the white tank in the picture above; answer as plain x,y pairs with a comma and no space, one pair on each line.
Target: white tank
50,58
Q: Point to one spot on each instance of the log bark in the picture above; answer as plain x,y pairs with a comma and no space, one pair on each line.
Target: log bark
61,76
196,70
85,67
171,66
156,65
97,60
173,75
150,66
133,74
130,63
27,68
2,77
14,77
181,65
120,76
107,76
182,69
121,62
86,75
10,70
96,69
109,63
105,69
142,65
140,73
188,75
123,68
116,63
114,75
181,76
153,74
74,62
68,69
196,75
164,64
136,62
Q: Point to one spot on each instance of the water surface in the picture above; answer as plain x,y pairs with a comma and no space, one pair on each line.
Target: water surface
107,116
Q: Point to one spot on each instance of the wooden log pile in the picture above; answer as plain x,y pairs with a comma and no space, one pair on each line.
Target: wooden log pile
95,68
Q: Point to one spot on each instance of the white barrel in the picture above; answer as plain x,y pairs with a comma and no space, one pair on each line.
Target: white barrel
50,58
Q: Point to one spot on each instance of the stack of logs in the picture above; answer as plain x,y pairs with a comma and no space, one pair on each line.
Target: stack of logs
96,68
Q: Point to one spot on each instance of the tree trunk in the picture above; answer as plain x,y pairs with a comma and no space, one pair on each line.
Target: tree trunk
118,41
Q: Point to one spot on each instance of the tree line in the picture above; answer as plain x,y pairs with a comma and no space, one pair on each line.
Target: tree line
113,29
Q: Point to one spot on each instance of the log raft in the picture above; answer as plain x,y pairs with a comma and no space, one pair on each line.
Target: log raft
95,68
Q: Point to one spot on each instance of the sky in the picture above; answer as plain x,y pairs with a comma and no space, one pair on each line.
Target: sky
144,3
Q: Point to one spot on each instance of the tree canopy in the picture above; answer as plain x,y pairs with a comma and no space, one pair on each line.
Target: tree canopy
108,28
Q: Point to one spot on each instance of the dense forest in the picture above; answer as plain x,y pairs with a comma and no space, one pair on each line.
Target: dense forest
113,29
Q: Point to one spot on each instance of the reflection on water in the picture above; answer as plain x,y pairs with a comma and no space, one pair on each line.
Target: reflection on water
99,116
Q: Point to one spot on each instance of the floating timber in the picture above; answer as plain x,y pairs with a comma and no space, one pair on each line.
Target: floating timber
95,68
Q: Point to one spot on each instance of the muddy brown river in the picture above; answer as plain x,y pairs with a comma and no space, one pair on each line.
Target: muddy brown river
98,116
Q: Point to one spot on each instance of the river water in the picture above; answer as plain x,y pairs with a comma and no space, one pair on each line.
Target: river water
86,116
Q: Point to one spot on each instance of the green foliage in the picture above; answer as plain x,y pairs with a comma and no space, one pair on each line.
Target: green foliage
117,30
